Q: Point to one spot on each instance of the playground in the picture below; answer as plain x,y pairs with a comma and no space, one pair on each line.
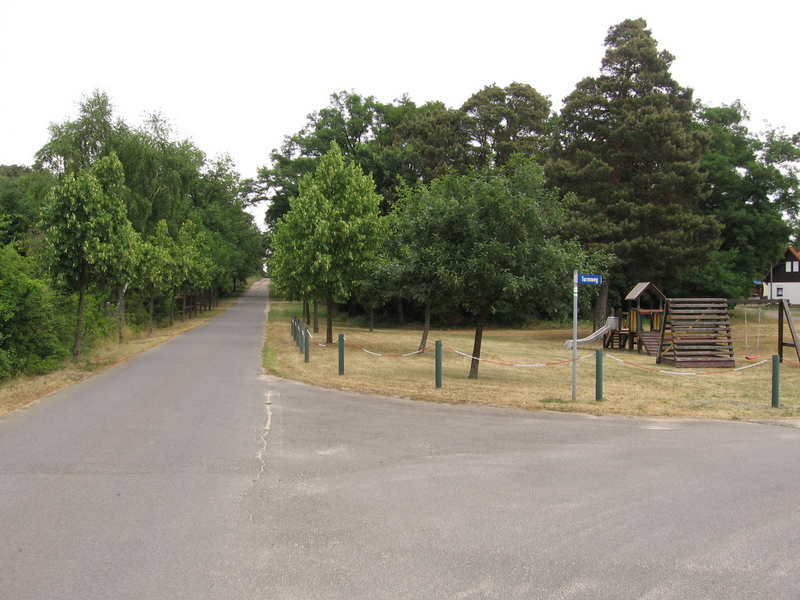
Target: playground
531,369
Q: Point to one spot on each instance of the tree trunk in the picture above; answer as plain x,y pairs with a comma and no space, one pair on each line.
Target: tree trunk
476,348
601,305
426,327
329,304
306,313
121,313
76,350
316,316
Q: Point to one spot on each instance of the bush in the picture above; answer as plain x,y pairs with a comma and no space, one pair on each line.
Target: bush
30,333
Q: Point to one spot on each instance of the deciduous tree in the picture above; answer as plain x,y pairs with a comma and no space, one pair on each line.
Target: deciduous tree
323,244
90,242
753,193
485,237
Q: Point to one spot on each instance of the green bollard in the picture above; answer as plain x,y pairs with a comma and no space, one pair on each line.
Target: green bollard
307,345
299,339
341,354
438,364
598,376
776,381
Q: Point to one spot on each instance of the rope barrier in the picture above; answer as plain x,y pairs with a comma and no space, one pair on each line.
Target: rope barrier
630,364
387,355
494,362
311,336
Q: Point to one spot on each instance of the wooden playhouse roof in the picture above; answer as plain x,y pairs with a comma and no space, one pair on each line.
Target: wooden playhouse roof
641,288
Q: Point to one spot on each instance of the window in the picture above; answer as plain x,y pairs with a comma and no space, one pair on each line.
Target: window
796,266
779,292
788,266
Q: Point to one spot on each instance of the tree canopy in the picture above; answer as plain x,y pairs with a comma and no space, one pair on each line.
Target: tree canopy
488,236
322,245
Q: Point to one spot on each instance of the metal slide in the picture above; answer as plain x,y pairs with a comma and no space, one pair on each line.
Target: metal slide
612,323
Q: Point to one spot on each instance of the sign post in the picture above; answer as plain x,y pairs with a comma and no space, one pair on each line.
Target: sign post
578,279
575,336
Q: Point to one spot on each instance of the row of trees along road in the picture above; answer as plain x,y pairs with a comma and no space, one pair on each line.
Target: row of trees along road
120,216
633,177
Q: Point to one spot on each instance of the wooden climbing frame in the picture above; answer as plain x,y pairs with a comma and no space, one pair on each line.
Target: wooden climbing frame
696,333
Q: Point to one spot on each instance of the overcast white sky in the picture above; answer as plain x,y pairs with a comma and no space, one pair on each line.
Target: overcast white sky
236,76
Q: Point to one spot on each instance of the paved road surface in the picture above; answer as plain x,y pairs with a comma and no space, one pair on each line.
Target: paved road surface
184,473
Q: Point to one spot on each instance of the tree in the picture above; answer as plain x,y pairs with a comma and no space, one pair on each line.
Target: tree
626,146
486,237
322,245
502,121
398,143
418,241
436,139
158,270
349,121
23,193
238,245
90,242
76,145
753,186
160,172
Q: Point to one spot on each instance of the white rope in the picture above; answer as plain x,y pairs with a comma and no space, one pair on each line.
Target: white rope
611,356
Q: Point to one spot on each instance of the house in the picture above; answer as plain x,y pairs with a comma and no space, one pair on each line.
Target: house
783,282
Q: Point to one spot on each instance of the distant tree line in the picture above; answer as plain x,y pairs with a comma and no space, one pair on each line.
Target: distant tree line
484,210
115,226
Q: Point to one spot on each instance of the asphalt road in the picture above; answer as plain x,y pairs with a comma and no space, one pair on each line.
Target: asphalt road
185,473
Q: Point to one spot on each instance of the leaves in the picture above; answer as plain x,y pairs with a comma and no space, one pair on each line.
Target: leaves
332,230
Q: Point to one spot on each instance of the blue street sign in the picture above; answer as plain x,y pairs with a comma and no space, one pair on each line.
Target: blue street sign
592,279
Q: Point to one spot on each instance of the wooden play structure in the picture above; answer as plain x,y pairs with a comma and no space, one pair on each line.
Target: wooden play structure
685,332
641,324
696,333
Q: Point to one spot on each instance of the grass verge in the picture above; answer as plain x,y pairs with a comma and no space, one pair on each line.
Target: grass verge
632,383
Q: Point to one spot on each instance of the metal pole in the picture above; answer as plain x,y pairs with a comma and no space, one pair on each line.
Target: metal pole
776,381
341,354
307,345
598,375
575,336
438,364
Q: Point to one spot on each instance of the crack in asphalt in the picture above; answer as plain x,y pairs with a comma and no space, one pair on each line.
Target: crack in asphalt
260,455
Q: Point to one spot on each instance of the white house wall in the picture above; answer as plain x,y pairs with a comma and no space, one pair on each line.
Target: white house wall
788,290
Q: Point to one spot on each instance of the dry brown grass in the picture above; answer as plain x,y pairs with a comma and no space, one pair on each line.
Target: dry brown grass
633,387
23,390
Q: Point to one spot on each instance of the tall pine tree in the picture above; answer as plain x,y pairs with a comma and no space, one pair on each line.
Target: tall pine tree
627,148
